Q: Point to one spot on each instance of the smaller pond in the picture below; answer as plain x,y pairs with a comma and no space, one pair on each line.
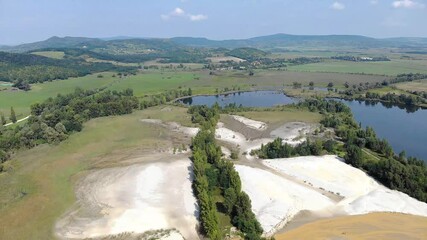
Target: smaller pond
247,99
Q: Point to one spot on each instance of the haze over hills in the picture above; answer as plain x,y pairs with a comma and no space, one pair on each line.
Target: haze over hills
263,42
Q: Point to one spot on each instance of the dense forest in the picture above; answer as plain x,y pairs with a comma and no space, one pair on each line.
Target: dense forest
30,68
214,174
56,118
396,171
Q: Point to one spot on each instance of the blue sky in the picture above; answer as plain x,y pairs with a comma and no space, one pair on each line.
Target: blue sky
32,20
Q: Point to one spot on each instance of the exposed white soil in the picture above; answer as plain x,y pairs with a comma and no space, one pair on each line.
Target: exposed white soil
277,194
173,126
136,199
251,123
293,132
275,200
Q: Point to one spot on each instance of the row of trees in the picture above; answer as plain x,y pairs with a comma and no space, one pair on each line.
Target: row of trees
277,149
56,118
12,117
214,174
402,99
396,171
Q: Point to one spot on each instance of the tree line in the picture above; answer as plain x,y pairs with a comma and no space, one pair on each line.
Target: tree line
214,174
402,99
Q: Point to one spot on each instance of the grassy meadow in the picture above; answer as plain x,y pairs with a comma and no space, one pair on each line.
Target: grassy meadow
51,54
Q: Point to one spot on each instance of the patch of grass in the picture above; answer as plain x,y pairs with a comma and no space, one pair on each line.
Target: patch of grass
38,186
280,117
50,54
155,82
420,85
274,79
391,68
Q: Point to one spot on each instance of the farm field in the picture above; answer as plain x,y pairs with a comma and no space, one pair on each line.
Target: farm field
51,54
420,85
386,226
391,68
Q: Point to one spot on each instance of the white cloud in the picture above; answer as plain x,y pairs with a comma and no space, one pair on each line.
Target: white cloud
407,4
198,17
179,12
374,2
338,6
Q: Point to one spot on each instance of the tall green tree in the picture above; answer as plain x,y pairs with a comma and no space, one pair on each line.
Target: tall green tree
12,115
2,119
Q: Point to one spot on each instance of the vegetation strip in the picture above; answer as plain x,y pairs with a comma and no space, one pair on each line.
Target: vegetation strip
213,174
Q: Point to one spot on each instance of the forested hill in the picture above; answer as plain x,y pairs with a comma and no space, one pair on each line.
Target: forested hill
262,42
29,68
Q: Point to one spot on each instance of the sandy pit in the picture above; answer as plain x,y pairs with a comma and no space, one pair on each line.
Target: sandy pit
250,123
275,200
291,133
137,199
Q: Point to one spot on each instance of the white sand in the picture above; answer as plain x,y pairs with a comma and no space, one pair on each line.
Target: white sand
289,132
362,194
229,136
225,151
275,200
327,172
292,133
251,123
135,199
173,236
386,200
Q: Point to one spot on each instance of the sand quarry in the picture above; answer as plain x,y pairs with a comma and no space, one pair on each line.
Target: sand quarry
156,193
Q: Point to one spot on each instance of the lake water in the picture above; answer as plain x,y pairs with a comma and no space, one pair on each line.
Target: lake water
247,99
404,129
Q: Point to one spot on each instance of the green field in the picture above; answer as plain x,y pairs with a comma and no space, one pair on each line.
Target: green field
51,54
392,68
142,84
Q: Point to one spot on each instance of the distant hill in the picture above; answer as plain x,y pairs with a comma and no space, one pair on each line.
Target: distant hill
55,42
304,41
116,45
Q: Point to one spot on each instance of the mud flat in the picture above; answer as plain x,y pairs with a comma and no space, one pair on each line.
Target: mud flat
134,199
